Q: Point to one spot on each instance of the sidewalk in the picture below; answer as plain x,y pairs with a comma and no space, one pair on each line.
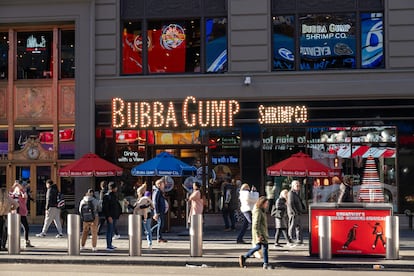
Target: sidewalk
219,250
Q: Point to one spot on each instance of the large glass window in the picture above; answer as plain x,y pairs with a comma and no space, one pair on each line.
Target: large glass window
4,58
372,47
327,41
34,55
175,46
67,46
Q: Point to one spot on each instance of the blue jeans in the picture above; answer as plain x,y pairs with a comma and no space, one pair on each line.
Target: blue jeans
109,232
245,225
148,230
160,226
265,249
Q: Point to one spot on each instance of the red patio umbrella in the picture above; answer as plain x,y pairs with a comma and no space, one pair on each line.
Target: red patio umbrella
89,165
300,165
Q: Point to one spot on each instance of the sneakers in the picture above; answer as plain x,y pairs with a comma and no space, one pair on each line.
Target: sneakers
59,236
267,266
41,235
117,237
242,261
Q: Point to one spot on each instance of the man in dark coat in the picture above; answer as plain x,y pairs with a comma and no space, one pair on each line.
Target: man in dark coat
52,212
112,211
295,208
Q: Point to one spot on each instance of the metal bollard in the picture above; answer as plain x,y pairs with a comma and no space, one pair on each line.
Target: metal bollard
135,232
196,236
13,233
73,234
325,236
392,237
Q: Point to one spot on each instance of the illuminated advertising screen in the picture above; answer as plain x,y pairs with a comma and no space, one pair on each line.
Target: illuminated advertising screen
354,231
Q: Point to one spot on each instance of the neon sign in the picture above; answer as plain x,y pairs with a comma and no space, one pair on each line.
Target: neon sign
210,113
196,114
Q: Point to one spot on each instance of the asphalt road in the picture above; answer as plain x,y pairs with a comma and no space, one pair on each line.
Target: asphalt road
101,270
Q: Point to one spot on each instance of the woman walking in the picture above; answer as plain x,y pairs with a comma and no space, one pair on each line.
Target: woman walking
260,233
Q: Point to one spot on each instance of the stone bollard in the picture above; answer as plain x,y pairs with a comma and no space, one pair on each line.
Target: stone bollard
134,233
73,234
13,233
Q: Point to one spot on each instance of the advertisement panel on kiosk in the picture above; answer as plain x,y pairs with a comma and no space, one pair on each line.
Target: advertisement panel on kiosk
356,229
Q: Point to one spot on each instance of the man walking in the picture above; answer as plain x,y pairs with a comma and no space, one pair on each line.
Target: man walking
295,208
159,207
52,212
112,210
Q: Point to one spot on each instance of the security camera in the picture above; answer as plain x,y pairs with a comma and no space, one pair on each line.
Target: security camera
247,80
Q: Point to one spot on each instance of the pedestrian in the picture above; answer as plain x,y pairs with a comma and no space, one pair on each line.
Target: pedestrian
345,189
196,202
7,205
103,191
112,210
260,235
230,204
19,194
295,208
143,207
270,189
159,207
52,212
248,197
279,212
90,219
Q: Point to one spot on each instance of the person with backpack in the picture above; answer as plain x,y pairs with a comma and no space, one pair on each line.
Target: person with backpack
88,210
52,212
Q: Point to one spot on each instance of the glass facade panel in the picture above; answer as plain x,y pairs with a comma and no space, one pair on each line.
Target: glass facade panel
284,42
67,53
34,55
132,48
4,57
372,37
327,41
174,46
216,47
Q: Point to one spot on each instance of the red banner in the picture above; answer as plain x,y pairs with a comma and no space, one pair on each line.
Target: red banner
354,231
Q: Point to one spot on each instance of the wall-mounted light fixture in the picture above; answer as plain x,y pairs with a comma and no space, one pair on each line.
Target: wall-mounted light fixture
247,80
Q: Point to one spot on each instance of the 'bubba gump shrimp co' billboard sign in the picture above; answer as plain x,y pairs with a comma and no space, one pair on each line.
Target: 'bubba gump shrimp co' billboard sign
196,114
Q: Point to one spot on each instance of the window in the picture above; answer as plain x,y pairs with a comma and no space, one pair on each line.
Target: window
194,40
327,35
4,58
34,55
67,46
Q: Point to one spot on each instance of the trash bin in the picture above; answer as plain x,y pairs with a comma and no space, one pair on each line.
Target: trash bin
392,237
73,234
196,236
324,233
134,233
13,233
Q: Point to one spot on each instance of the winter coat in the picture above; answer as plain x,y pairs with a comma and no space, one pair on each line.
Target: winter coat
279,212
111,207
259,226
197,204
295,206
51,196
247,200
95,203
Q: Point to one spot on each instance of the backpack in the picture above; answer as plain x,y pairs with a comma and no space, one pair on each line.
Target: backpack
60,201
87,212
